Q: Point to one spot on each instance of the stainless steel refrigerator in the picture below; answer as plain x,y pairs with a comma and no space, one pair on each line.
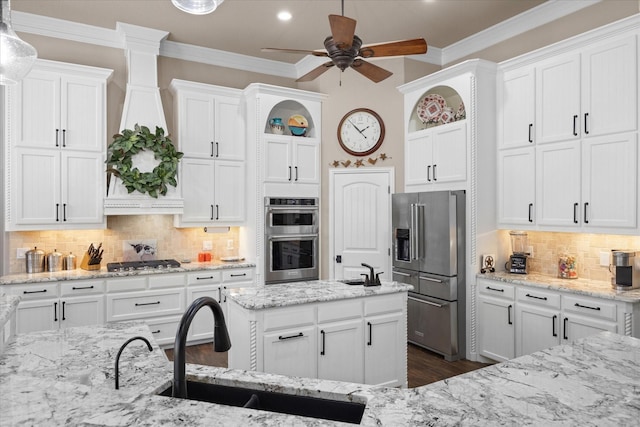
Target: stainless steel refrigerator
429,253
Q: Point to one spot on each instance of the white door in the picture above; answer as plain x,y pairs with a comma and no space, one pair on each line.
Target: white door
81,175
229,191
537,328
450,153
516,186
340,355
518,107
382,360
360,212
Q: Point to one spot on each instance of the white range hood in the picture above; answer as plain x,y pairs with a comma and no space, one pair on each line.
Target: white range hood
143,106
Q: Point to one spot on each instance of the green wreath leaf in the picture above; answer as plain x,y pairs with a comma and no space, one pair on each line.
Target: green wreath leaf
130,142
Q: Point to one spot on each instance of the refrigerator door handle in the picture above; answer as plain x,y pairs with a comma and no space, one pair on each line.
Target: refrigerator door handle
399,273
430,279
413,232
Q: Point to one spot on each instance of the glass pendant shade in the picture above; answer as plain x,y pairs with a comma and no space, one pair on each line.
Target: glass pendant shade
16,56
197,7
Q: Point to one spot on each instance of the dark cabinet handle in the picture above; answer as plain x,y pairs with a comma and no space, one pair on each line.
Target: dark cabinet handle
509,314
553,325
564,327
296,168
64,137
586,131
533,296
575,119
530,212
55,311
63,305
211,149
575,213
217,212
494,289
211,212
586,306
217,150
586,221
81,287
239,275
147,303
370,333
322,348
34,292
429,173
57,135
289,173
157,331
530,129
298,335
57,212
434,173
204,278
64,212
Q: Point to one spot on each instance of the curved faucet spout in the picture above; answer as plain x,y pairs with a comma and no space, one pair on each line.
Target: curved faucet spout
220,338
117,368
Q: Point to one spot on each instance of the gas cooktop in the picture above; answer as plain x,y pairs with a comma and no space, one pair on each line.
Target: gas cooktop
159,264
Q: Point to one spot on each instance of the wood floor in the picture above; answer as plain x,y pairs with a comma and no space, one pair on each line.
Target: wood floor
423,366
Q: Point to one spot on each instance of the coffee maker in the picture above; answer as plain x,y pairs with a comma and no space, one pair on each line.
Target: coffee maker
518,260
625,268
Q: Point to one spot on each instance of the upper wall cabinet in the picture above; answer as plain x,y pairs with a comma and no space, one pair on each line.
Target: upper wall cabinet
55,151
209,131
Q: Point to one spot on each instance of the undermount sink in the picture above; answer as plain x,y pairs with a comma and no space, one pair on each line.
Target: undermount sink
352,281
314,407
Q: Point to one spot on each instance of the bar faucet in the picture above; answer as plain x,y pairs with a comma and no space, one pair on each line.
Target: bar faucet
117,375
220,339
373,279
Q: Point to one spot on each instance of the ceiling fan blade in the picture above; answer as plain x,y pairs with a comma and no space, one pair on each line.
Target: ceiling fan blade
402,47
302,51
370,71
342,30
315,72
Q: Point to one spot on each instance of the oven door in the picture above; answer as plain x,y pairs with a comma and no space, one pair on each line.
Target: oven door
291,258
291,220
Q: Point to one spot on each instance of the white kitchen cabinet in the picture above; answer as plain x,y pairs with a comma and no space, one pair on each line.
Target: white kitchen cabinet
292,160
56,147
538,320
437,155
496,330
516,186
291,352
383,350
516,95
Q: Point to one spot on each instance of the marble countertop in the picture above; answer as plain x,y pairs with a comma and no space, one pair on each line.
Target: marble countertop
592,288
79,274
65,377
287,294
8,304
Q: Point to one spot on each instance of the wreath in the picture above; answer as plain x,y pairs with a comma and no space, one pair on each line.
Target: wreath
131,142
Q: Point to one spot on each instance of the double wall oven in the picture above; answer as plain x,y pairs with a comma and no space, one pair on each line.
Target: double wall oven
291,239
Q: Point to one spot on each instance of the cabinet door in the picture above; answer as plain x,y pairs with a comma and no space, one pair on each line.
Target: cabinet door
37,187
450,153
418,159
34,316
202,325
81,311
558,184
537,328
197,177
82,114
82,189
229,138
576,327
340,357
610,87
517,108
229,191
196,112
609,181
558,99
291,352
306,166
384,350
277,162
496,333
516,186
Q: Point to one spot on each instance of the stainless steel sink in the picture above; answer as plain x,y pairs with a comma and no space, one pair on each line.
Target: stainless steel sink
327,409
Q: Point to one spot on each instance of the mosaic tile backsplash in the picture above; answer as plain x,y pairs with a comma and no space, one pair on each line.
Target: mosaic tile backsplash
176,243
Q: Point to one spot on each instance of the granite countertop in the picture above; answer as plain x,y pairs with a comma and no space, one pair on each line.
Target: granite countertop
65,377
592,288
8,304
286,294
79,274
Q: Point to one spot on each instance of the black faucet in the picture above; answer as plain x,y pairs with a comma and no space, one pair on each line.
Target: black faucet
117,376
373,279
220,339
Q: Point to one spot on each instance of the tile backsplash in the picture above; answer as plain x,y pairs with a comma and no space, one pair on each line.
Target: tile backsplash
176,243
548,246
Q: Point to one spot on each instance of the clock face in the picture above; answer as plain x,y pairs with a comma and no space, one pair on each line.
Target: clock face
361,132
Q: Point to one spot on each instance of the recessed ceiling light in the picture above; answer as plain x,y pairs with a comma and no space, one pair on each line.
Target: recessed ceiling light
284,15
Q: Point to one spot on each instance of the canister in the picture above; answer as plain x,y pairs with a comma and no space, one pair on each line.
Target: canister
54,261
69,262
35,260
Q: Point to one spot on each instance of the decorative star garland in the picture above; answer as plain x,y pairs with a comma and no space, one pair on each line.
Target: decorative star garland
360,162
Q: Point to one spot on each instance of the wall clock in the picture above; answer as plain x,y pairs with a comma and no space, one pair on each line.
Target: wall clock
361,132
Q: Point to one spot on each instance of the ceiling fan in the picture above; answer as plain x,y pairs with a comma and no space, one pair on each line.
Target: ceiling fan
345,50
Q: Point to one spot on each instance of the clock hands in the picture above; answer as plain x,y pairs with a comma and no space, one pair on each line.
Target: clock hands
359,131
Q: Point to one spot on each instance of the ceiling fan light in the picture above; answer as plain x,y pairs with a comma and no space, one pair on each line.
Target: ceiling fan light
16,56
197,7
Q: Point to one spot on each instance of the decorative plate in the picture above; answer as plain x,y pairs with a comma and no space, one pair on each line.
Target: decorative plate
430,107
298,121
447,115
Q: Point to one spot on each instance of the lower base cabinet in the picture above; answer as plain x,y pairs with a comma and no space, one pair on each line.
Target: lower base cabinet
338,358
291,352
382,360
496,331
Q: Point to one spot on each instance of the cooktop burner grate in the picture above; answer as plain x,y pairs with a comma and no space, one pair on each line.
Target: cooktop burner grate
158,264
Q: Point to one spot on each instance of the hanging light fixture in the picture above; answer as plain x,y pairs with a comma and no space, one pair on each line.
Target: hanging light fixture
197,7
16,56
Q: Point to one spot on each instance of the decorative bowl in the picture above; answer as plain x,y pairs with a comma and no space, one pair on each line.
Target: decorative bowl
297,130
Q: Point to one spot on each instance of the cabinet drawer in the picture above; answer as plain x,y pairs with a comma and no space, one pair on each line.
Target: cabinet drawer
496,289
81,288
340,310
138,305
589,306
166,281
164,329
384,304
238,275
204,277
538,297
127,284
36,291
289,317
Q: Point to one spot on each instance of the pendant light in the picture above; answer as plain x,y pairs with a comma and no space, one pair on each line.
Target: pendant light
197,7
16,56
